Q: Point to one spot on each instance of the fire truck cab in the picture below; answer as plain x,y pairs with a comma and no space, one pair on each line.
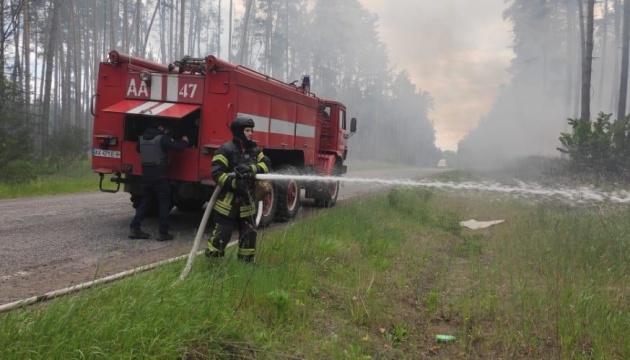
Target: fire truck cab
199,98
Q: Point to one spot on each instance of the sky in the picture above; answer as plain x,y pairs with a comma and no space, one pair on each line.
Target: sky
457,50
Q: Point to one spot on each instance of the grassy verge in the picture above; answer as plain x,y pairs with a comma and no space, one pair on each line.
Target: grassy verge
375,279
76,178
80,177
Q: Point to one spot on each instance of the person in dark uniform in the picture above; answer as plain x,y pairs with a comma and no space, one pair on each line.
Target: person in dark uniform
234,167
153,147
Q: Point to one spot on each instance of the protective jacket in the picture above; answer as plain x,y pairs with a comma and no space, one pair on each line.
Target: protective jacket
230,155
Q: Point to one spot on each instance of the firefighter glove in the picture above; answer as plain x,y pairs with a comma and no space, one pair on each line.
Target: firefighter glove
244,172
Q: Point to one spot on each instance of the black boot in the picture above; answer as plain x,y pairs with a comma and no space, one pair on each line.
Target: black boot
138,234
246,258
214,253
165,237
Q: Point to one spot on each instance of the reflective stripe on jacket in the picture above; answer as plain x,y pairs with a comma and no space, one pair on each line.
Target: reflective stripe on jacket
225,159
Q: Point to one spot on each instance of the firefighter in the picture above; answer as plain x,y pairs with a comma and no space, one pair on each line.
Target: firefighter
234,167
153,147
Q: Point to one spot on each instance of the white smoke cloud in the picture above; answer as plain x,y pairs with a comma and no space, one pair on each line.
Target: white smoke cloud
458,50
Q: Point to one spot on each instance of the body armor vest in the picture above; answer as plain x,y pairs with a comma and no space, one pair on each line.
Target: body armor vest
151,152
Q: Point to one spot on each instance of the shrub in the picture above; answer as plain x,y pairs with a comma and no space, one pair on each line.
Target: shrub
601,146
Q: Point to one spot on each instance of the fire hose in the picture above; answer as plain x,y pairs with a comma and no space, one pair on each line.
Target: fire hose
104,280
200,230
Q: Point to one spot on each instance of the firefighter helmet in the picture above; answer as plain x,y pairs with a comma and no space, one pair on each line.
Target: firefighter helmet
239,124
242,122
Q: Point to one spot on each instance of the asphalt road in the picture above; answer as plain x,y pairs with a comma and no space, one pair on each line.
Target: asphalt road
53,242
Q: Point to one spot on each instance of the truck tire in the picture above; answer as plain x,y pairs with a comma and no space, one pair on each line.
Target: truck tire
269,204
328,198
288,191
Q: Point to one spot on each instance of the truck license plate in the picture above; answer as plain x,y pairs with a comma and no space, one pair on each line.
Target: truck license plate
106,153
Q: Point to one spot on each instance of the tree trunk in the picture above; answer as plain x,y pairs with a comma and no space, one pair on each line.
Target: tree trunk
16,74
112,20
27,54
242,54
570,62
182,22
578,101
623,79
614,91
219,32
146,36
581,23
587,64
50,54
138,51
602,58
286,45
7,34
193,28
171,45
77,65
125,32
268,32
62,87
230,33
3,40
163,55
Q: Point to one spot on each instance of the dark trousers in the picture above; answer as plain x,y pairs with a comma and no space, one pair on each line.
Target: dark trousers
222,228
159,189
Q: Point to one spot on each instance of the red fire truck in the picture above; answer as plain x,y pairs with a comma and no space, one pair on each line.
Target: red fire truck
200,97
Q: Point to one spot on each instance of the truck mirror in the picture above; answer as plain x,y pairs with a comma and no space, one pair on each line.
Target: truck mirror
353,128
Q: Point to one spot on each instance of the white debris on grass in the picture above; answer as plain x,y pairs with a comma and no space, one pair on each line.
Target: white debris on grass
474,224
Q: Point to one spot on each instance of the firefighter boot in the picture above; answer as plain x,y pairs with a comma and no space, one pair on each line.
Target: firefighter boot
245,258
138,234
165,237
214,253
247,246
219,239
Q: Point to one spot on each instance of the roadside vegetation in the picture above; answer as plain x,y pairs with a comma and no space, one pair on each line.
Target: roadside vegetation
378,278
35,178
63,168
45,177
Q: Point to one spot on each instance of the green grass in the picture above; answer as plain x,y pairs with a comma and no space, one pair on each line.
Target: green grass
375,279
78,177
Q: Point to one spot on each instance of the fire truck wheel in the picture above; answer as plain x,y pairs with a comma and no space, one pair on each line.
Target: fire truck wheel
288,195
331,190
268,213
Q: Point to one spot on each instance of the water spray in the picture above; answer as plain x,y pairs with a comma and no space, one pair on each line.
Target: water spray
583,194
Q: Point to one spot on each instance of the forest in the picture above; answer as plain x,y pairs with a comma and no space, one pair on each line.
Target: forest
50,51
568,93
566,98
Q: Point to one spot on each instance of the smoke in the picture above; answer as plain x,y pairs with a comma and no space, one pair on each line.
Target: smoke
457,50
